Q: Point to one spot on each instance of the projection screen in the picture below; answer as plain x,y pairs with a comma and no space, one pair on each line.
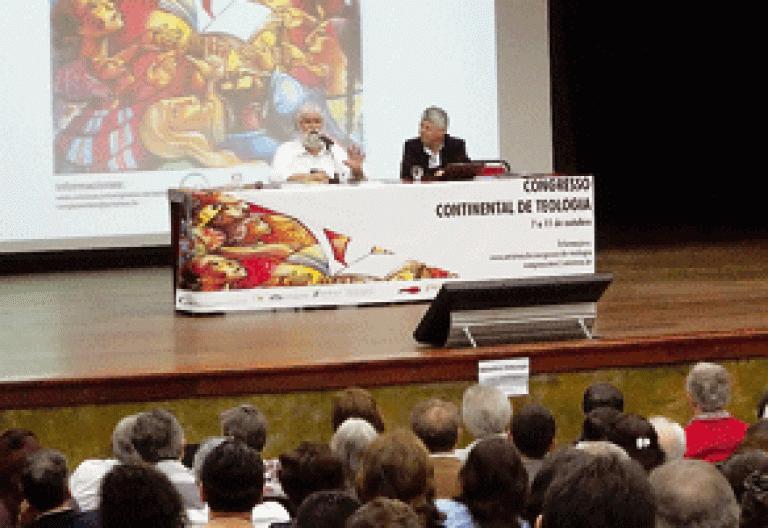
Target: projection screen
107,104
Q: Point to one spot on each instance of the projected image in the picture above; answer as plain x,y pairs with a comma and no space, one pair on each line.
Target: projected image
194,84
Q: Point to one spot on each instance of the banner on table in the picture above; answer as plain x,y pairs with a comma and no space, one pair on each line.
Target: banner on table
375,243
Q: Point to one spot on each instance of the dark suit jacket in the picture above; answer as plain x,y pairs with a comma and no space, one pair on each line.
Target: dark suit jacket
454,151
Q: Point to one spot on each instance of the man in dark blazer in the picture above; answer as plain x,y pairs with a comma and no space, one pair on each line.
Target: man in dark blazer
433,150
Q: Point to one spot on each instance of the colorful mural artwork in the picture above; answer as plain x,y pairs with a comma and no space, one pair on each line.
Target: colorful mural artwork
231,244
143,85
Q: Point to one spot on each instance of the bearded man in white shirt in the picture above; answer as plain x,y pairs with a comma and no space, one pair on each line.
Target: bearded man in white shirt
313,157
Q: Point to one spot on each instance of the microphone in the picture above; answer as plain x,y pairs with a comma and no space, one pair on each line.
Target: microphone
328,141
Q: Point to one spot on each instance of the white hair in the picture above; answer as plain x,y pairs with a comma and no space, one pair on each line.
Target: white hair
671,436
708,386
307,107
485,410
436,116
350,440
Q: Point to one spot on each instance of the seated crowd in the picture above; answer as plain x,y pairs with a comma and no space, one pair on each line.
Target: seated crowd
623,471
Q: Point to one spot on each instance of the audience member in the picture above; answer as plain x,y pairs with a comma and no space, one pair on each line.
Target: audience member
15,446
635,435
265,513
693,493
153,437
382,512
533,433
44,485
494,486
553,465
609,491
159,440
396,465
311,467
244,422
599,423
348,443
232,483
139,496
437,423
713,434
355,402
738,467
326,509
754,502
756,437
602,394
486,411
671,437
85,480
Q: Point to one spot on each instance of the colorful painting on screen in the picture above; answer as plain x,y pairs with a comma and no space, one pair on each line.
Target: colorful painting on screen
143,85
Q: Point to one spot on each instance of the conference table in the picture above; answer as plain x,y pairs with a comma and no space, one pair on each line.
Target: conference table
240,248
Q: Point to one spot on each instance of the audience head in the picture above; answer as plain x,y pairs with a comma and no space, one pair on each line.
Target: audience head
554,464
311,467
602,394
396,465
485,410
122,441
350,440
756,437
693,493
326,509
355,402
247,424
232,477
762,406
157,435
382,512
137,496
754,502
533,430
635,435
671,437
608,491
437,422
44,480
599,423
738,467
708,387
15,447
494,483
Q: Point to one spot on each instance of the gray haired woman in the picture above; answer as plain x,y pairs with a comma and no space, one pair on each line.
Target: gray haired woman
713,434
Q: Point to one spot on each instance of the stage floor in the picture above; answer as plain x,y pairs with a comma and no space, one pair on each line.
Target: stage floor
113,335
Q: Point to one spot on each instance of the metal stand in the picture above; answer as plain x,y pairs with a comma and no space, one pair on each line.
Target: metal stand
520,325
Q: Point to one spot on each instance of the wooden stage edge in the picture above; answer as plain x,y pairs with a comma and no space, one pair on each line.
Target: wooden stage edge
436,365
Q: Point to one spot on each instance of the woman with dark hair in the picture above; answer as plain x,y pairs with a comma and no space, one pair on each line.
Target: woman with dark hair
494,486
636,435
396,466
311,467
138,496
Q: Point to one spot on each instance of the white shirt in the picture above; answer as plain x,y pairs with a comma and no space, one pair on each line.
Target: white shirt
292,158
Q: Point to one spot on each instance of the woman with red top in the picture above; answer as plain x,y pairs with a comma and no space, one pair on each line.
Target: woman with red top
713,434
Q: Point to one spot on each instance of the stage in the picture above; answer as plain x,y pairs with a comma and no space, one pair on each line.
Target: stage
112,336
